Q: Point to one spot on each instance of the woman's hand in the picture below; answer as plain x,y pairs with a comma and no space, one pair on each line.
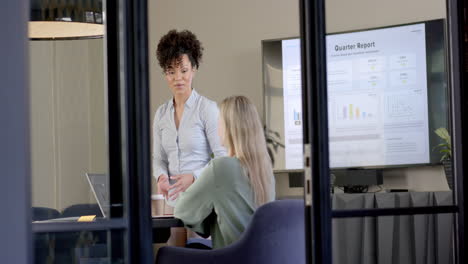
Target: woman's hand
163,184
183,181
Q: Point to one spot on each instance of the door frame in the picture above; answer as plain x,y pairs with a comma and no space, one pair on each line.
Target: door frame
15,189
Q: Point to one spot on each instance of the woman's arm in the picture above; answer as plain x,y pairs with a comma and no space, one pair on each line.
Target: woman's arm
196,203
160,161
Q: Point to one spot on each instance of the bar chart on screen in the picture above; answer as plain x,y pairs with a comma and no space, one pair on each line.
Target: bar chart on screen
356,109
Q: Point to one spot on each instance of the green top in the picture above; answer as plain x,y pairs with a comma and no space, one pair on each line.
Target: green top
220,202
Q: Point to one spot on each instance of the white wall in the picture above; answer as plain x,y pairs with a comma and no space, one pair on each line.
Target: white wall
231,32
42,120
67,120
361,14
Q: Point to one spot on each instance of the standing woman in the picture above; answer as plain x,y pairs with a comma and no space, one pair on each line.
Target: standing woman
185,127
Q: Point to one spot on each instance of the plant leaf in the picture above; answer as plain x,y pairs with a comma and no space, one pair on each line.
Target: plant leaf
444,134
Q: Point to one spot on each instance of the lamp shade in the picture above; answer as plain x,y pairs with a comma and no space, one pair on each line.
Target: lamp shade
66,19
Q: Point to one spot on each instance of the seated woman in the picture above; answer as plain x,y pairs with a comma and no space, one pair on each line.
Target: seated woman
222,201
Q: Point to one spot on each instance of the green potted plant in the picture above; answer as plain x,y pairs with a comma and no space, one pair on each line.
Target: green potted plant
445,148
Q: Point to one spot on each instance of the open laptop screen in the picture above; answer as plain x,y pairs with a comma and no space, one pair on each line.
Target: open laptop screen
99,187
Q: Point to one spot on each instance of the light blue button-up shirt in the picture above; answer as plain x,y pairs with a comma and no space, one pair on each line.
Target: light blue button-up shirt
188,149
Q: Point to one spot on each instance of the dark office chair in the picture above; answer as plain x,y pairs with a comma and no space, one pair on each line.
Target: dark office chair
82,209
44,213
276,235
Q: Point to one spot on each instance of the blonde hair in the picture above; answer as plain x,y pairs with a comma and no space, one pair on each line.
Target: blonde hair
245,139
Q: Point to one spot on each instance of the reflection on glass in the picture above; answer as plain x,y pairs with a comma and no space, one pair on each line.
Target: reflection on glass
68,124
283,114
79,247
393,239
283,102
388,94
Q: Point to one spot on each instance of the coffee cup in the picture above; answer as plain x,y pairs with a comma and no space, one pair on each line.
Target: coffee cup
157,205
168,210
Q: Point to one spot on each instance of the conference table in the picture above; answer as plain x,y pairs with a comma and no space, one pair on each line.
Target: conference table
162,228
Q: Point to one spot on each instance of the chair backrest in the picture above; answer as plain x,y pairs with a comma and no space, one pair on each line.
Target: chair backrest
276,235
82,209
44,213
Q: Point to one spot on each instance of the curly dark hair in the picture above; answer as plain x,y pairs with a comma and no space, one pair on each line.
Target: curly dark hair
175,44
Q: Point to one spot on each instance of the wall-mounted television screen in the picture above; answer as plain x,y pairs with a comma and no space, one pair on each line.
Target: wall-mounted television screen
387,93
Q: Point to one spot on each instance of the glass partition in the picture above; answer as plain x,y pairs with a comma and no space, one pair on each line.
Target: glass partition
69,125
394,239
380,103
79,247
388,98
233,64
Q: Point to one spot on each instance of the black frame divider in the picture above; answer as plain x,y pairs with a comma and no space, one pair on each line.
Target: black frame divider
115,154
112,57
303,20
444,209
458,65
314,87
133,44
56,227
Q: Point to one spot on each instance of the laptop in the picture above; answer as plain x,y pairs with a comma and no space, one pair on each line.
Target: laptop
99,187
98,184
